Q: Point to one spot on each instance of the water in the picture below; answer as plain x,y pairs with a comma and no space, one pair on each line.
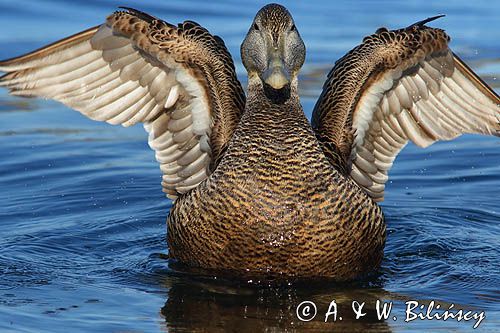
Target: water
82,214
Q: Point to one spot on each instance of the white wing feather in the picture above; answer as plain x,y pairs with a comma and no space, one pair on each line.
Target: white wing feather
436,99
105,77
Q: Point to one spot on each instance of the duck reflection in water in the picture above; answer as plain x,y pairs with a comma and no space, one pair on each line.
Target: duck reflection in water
208,305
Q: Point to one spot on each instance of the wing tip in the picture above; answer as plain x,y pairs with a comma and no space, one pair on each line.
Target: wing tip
427,20
144,16
140,14
481,85
11,64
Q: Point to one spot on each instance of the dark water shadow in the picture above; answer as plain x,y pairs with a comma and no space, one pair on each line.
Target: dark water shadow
205,303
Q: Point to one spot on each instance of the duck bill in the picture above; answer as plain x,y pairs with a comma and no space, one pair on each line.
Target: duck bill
276,75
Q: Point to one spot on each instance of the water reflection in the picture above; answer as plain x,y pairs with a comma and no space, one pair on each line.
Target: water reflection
214,305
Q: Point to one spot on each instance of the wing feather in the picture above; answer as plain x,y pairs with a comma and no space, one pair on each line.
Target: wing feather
138,69
413,89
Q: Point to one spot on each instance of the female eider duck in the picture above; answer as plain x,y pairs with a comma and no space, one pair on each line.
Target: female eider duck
258,190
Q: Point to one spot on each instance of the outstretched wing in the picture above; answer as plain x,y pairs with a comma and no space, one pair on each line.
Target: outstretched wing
398,86
179,81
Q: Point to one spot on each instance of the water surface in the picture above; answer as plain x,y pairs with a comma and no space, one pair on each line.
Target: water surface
82,215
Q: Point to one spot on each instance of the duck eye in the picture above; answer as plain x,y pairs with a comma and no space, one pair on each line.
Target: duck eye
292,28
255,26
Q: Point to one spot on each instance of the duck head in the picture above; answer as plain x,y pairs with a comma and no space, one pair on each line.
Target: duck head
273,52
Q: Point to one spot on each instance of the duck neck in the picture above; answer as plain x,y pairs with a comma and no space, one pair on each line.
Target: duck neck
270,130
272,113
273,142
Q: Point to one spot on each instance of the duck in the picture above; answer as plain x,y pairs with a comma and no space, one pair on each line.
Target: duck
257,188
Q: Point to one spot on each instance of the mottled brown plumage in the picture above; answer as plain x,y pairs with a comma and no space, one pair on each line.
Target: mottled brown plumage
276,206
261,191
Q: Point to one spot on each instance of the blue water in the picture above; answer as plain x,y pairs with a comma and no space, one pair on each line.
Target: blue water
82,215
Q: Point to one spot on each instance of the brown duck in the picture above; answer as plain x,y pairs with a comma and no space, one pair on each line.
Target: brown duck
257,189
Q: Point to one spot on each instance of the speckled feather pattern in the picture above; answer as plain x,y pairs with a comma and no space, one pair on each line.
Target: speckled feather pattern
276,206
